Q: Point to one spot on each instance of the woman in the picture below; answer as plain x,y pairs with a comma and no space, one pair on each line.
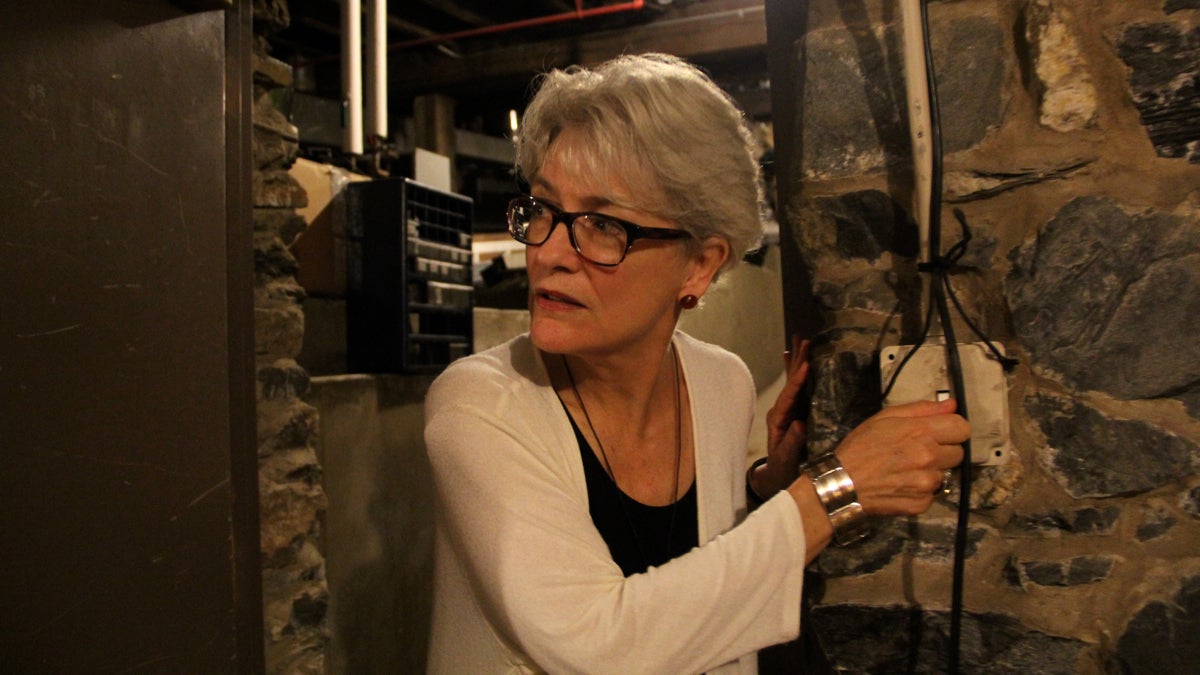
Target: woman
591,474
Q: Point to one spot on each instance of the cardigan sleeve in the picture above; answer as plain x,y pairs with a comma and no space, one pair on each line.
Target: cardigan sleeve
514,517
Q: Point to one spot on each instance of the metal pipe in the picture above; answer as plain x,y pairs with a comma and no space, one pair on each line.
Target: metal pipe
578,13
919,124
376,69
352,139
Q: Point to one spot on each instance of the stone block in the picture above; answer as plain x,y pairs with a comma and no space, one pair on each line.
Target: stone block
1157,520
927,539
271,16
283,424
1189,501
283,379
1092,454
991,486
867,223
1164,636
1066,92
1086,520
854,117
871,639
279,292
271,72
290,513
1078,571
278,330
934,540
283,223
275,188
272,259
274,140
846,393
868,555
1114,331
1164,81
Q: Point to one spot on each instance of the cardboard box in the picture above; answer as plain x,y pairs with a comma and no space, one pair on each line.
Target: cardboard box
321,249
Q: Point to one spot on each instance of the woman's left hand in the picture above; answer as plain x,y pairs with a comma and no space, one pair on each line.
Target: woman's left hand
785,433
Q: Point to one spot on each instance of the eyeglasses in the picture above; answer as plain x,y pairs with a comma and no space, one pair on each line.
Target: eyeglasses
600,239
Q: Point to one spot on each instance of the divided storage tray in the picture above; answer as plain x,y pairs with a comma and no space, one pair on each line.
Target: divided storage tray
408,263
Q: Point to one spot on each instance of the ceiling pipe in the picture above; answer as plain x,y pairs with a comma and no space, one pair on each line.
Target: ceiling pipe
352,94
579,13
377,69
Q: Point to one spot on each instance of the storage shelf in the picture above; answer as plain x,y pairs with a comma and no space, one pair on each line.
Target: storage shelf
409,293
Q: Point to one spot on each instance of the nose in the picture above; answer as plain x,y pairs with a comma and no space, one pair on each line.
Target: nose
557,249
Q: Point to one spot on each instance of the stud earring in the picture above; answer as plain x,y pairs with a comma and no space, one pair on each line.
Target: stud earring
689,301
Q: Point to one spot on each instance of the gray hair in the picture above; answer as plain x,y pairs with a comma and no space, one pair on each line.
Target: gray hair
660,124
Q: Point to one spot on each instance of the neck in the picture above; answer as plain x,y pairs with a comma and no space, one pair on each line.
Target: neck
627,384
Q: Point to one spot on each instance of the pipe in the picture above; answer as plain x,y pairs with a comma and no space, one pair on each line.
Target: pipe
919,124
579,13
352,139
376,70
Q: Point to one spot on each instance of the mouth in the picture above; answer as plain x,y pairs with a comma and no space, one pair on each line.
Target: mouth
553,299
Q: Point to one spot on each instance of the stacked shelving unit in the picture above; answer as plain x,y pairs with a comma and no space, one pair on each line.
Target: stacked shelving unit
409,294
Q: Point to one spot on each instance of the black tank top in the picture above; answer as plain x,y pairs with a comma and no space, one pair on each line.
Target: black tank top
638,536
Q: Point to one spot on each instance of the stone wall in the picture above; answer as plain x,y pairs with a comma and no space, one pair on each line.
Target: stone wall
1072,142
295,593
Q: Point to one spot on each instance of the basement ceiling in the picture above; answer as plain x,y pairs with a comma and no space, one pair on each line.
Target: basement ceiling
484,53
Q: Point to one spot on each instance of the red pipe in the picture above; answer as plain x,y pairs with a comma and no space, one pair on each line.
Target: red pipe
579,13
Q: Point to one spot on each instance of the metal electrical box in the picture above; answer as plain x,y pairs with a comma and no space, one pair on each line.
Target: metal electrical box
924,377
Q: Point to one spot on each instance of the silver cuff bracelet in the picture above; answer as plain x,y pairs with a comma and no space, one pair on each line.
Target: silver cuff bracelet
835,489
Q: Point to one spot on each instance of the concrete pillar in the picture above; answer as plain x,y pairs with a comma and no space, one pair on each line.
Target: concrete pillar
433,127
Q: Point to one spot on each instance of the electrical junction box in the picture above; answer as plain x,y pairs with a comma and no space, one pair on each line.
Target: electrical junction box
925,378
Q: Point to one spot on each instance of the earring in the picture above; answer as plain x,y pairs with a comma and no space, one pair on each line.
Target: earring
689,301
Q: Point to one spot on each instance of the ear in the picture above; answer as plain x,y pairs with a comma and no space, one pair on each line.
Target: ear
713,253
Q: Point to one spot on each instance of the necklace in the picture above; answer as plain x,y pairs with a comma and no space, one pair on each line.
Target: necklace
622,497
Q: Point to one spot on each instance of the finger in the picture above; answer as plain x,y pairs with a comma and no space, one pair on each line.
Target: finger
799,353
787,396
949,456
793,438
792,358
918,409
948,429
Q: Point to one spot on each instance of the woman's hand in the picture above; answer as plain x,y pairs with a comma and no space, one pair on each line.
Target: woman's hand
785,433
898,457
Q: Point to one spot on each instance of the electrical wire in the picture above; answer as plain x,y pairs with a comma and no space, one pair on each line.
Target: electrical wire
940,266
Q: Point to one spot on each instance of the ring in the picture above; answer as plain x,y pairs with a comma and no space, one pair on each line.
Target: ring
947,476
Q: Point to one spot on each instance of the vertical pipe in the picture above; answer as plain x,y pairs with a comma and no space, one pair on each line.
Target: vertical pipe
919,125
376,70
352,140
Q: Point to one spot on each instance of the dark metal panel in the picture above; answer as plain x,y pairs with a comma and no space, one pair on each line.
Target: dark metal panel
239,257
116,497
787,25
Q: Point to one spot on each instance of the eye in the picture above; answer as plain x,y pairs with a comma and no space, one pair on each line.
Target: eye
606,226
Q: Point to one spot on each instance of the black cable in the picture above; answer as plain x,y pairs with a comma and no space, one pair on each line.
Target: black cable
937,286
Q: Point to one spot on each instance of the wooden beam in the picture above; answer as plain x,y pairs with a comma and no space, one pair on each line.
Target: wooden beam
699,30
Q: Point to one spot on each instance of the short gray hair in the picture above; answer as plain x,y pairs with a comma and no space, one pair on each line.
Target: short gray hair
662,125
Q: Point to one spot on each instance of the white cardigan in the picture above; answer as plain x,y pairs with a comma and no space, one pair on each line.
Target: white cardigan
525,583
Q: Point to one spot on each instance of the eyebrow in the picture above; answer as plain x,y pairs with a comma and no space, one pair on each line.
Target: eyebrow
591,202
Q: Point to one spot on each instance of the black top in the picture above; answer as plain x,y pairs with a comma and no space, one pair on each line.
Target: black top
638,536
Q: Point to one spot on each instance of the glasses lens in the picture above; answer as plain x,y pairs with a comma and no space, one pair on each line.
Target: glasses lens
601,240
528,221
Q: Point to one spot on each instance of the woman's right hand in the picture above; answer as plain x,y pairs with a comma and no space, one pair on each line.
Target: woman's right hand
898,457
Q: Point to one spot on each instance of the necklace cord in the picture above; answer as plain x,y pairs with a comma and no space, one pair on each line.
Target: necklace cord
622,497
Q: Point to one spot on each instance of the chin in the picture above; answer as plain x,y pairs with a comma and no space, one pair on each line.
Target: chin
552,339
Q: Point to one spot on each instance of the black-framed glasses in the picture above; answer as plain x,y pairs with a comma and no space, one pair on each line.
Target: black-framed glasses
600,239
